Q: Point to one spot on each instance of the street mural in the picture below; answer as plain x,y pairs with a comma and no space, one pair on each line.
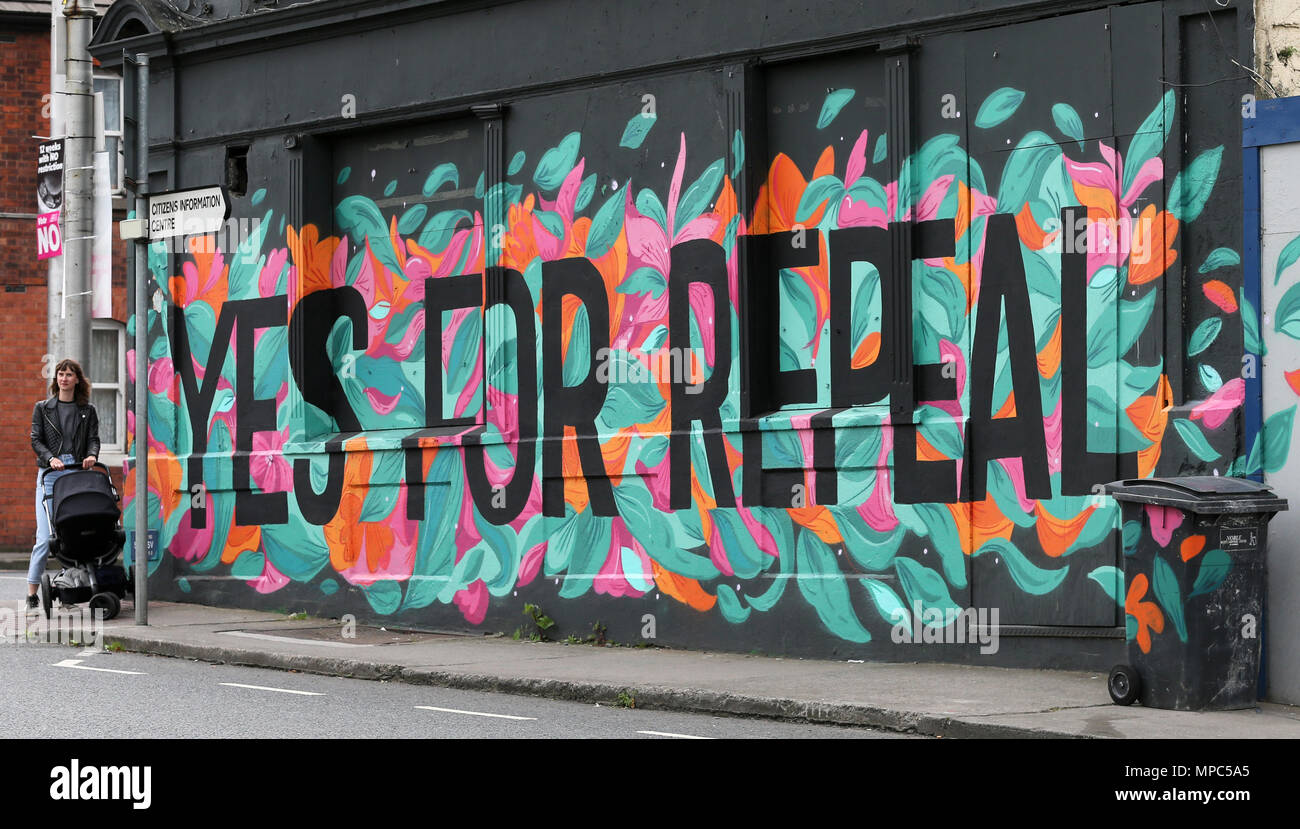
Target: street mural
573,415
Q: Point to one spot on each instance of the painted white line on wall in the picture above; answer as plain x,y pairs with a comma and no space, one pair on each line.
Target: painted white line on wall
472,713
279,690
76,663
270,637
670,734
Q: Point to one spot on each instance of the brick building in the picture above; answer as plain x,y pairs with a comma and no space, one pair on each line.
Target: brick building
24,113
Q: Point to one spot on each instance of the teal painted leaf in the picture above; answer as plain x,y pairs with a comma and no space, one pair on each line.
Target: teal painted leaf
557,162
882,149
998,107
1132,534
329,587
831,107
1034,158
1111,580
1250,326
343,176
1102,341
921,584
697,197
819,190
577,362
1068,122
412,219
1254,461
738,543
888,605
730,605
1210,378
585,192
1288,313
437,234
648,204
1028,576
1277,439
737,153
478,186
942,529
1164,586
1219,258
360,218
644,280
385,597
823,586
257,199
940,431
442,174
606,226
1195,440
870,549
1203,336
1214,569
1133,318
552,221
1150,138
517,163
1192,186
637,129
1287,258
390,188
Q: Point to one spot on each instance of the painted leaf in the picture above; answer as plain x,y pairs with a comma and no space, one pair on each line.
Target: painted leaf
1133,318
1277,439
1250,327
819,190
1203,336
998,107
1150,138
412,219
1111,580
882,149
1287,258
557,162
637,129
1219,258
552,221
1132,534
517,163
577,362
442,174
697,197
730,605
606,226
1210,378
823,586
888,605
737,153
921,584
1221,295
1028,576
644,280
1164,586
390,188
1195,440
585,193
1288,313
831,107
1192,186
1214,569
1068,122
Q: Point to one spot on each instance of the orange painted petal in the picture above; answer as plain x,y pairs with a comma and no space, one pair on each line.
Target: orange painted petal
1031,235
1008,408
1137,588
1057,534
979,521
685,590
962,223
869,350
818,519
1221,295
925,451
1049,359
1191,547
240,539
1293,380
1099,201
825,164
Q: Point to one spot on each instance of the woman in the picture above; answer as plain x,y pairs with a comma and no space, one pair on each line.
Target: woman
65,432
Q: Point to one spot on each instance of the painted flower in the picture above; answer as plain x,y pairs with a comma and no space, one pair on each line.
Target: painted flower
1147,614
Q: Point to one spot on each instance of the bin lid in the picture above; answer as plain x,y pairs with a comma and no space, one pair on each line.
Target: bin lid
1204,494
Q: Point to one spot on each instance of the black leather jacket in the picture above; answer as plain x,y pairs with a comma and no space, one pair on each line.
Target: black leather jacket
47,437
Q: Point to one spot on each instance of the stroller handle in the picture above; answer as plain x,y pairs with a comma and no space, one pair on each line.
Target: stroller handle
72,467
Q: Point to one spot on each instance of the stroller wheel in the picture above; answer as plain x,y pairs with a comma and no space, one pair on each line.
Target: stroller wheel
105,605
46,597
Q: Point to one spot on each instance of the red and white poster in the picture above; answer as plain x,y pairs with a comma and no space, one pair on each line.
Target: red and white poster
49,240
49,199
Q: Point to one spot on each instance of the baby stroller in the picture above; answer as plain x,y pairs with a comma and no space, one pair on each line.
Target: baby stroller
86,536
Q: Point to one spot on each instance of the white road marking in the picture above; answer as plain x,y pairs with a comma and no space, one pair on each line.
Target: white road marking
472,713
14,578
281,690
76,663
670,734
273,638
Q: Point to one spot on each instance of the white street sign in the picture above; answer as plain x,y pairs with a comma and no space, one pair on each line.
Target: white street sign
186,212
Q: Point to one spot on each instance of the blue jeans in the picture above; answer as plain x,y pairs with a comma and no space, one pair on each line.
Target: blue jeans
41,550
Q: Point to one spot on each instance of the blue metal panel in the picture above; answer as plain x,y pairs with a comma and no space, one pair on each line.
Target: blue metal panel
1254,403
1276,121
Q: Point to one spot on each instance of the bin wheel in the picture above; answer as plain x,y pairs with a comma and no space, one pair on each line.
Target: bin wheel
106,604
46,594
1124,685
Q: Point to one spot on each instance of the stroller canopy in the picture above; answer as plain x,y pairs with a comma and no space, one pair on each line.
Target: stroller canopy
85,495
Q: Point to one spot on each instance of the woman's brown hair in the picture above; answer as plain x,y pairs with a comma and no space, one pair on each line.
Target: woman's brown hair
82,392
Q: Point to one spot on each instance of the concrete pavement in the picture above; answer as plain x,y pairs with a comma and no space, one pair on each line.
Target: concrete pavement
939,700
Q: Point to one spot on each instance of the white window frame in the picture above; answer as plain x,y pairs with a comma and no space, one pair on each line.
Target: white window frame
114,130
117,449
